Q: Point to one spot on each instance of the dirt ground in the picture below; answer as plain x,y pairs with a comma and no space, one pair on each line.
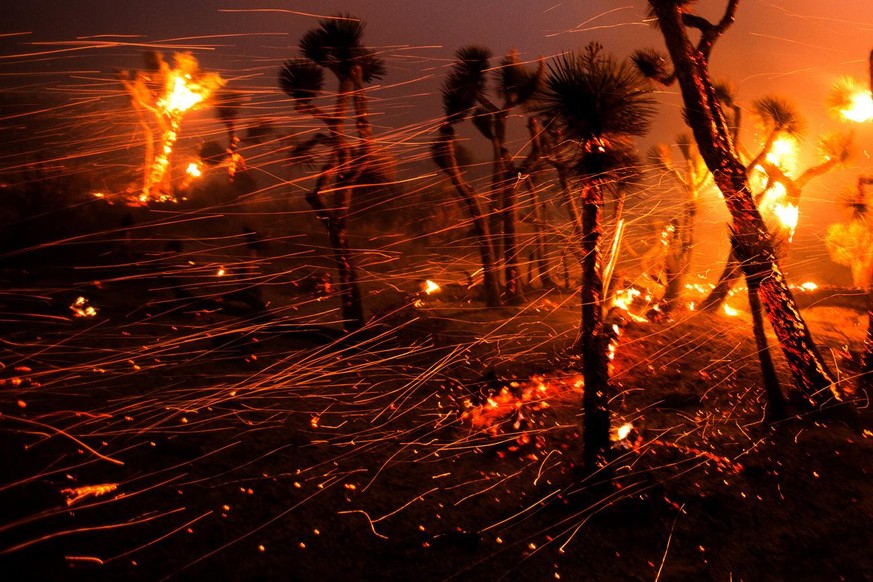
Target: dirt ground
211,421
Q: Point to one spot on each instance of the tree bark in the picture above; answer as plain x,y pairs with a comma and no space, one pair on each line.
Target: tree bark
713,137
449,164
775,399
593,340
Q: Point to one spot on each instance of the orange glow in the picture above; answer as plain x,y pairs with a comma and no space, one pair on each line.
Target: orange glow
624,430
185,89
852,101
430,287
728,310
194,170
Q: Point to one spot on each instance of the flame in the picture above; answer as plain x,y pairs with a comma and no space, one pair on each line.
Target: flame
80,308
852,101
184,90
860,107
182,94
728,310
194,170
783,153
516,402
430,287
787,213
809,286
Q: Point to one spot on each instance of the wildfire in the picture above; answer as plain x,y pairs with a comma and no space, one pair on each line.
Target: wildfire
852,102
728,310
194,170
81,308
788,214
430,287
182,88
624,298
782,154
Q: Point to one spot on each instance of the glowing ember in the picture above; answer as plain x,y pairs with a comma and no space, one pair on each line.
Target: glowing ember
80,308
79,493
430,287
624,430
728,310
809,286
194,170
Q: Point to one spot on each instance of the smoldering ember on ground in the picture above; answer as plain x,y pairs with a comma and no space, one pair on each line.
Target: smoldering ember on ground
468,291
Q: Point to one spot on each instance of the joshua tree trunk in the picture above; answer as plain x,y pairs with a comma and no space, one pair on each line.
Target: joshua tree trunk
447,160
350,292
593,340
775,399
713,137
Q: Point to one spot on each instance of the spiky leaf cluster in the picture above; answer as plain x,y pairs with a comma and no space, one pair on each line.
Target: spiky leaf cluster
651,64
778,114
301,79
336,44
466,81
516,83
595,99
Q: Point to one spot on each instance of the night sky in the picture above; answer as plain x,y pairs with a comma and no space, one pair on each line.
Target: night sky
796,48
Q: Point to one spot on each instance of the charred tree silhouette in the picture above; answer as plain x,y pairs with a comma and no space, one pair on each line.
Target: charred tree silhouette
466,93
714,139
336,45
600,104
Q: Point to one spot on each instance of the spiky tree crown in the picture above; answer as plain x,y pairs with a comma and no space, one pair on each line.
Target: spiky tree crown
516,83
466,81
594,99
778,114
301,79
336,44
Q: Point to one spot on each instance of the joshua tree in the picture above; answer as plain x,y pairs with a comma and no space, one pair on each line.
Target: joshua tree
600,105
776,190
851,244
753,241
167,93
336,45
692,177
465,93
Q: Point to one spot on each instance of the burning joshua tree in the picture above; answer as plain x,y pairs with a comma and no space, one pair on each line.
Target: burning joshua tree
167,94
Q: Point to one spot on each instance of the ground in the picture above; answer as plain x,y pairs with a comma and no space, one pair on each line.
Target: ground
210,420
